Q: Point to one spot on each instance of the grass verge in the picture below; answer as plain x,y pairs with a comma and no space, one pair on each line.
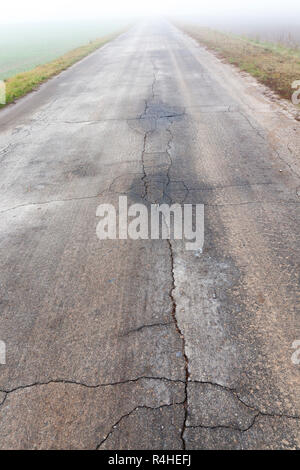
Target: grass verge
22,83
271,64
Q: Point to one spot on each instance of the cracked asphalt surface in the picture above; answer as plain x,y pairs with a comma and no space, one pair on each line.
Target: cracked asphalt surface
125,344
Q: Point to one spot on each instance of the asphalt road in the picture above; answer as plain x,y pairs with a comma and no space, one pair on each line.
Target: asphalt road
140,344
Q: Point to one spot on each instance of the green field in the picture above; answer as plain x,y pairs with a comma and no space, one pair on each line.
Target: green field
24,46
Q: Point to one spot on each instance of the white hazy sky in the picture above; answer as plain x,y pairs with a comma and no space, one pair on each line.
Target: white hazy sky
38,10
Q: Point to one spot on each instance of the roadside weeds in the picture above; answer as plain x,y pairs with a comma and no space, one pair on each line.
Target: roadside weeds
274,65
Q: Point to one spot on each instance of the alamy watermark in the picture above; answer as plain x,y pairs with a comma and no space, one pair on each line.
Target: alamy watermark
2,92
2,353
296,94
159,221
296,354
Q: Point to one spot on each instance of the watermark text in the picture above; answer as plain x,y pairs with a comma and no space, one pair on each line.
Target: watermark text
162,221
2,92
2,353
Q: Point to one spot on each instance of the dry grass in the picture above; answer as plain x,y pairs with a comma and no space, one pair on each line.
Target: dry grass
273,65
25,82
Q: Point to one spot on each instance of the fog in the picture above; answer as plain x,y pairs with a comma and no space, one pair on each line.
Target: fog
268,18
212,10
